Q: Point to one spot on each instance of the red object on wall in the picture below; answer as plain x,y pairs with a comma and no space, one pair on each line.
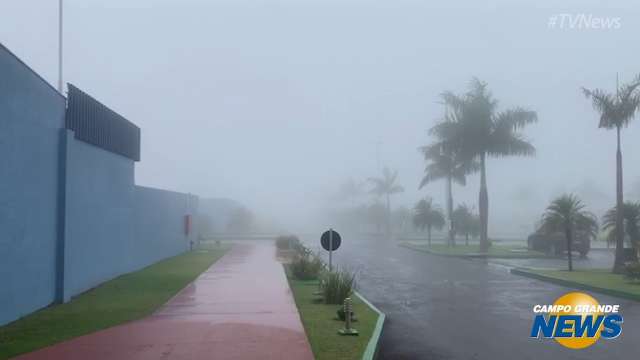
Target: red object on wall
187,224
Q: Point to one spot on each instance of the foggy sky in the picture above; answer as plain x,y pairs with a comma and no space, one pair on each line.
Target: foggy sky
274,103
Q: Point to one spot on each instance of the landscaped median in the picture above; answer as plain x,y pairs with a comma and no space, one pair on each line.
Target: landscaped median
321,324
602,281
473,250
128,297
318,306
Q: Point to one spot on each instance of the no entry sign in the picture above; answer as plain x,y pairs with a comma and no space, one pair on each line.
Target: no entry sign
330,240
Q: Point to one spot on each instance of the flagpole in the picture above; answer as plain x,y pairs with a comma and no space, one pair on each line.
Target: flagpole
60,45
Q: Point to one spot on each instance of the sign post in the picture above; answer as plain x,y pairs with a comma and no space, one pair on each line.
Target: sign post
330,241
330,249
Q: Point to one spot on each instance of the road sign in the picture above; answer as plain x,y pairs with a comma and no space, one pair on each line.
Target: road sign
330,241
329,238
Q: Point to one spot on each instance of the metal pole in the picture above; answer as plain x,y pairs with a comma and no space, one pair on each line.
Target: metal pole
330,248
60,44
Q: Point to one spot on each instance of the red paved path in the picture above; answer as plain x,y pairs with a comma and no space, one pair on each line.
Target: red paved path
240,308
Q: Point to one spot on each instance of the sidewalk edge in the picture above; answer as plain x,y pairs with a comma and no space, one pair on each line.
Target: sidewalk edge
371,352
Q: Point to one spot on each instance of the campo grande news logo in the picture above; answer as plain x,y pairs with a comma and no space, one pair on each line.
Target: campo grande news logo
576,320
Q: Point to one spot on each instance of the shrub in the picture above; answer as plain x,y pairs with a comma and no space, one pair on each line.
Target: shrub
632,271
307,267
289,242
299,248
337,286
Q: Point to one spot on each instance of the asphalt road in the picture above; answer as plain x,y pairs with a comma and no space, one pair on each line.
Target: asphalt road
450,308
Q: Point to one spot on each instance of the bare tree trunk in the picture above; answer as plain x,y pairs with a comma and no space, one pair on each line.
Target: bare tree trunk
466,239
618,264
569,247
429,235
451,240
483,205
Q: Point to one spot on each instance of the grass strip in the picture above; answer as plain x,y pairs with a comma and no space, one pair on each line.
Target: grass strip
128,297
596,280
321,324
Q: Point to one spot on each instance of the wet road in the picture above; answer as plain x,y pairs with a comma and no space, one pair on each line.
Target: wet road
450,308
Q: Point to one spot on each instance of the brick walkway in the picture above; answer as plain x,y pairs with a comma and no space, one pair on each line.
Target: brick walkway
240,308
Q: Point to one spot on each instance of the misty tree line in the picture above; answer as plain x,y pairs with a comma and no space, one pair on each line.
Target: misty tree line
472,131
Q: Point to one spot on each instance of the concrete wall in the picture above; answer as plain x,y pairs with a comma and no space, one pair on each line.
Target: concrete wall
71,216
159,215
31,114
112,225
99,215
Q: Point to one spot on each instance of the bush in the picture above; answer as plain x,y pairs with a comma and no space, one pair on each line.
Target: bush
632,271
287,242
337,286
299,248
307,267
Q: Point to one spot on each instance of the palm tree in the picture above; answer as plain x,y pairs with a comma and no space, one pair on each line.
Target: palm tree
567,214
631,216
386,186
478,131
427,214
463,221
443,163
616,110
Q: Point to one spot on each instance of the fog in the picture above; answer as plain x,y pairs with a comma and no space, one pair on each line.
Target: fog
276,103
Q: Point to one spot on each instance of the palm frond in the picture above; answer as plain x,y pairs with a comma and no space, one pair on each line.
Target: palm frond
515,119
510,144
616,110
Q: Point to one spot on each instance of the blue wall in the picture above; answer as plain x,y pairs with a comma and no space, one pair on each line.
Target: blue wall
31,114
71,216
112,225
159,215
99,215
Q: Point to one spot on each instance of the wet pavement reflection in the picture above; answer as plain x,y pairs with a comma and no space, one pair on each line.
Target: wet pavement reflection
240,308
451,308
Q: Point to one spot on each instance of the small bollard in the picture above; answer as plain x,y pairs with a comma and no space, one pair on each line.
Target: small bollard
348,313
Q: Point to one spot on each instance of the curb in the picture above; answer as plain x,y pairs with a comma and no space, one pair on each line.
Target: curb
472,255
371,352
615,293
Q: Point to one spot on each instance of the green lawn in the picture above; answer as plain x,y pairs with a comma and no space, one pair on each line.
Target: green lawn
322,328
128,297
596,280
495,251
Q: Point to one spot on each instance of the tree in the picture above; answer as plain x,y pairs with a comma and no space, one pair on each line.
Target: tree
478,131
445,163
616,110
427,215
386,186
631,216
464,221
567,214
